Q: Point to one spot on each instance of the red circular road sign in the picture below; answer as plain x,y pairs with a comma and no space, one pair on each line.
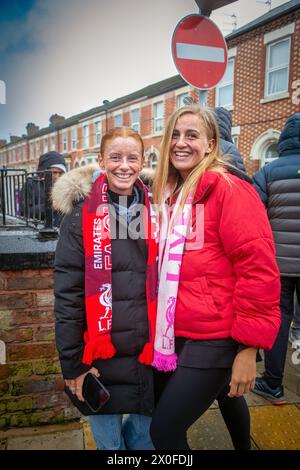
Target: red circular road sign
199,51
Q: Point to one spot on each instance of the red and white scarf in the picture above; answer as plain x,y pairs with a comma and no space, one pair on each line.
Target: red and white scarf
174,229
98,280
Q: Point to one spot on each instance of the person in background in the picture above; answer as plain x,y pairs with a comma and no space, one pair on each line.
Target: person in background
227,146
32,197
218,297
105,300
278,185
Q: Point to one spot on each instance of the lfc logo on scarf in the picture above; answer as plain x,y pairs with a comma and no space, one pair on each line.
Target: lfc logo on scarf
105,299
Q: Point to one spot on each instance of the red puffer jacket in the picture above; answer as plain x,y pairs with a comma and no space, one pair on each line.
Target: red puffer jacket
229,286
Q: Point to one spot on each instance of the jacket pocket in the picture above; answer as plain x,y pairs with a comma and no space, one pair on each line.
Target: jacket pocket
208,297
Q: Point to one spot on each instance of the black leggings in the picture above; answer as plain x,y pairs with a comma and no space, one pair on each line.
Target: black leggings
187,395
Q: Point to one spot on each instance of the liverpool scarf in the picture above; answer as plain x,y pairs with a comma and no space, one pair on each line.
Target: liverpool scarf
98,280
174,229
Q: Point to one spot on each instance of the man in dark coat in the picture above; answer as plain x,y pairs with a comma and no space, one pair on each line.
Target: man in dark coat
33,193
278,185
224,120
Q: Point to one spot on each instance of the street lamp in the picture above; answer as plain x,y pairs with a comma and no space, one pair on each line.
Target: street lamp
106,104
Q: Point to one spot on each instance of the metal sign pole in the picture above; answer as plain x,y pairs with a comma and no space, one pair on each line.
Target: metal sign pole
203,93
205,9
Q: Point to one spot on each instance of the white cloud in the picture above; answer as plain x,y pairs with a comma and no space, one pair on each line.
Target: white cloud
84,52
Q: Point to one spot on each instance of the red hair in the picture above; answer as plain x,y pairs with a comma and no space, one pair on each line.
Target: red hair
120,132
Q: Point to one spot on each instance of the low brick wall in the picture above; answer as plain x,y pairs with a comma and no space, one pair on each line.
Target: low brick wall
31,385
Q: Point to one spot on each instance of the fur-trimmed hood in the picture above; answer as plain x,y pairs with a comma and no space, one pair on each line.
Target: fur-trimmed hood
72,188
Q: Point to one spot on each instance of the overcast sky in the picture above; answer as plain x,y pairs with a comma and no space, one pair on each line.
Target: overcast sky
67,56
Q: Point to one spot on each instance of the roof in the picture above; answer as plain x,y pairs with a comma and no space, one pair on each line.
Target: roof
165,85
266,18
149,91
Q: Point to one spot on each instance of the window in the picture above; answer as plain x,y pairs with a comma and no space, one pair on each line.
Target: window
64,142
53,146
118,120
153,159
46,145
86,135
74,138
277,67
158,116
31,151
37,148
97,133
181,100
135,120
271,153
235,139
224,93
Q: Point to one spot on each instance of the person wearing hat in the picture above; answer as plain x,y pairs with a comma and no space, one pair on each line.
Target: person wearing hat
33,193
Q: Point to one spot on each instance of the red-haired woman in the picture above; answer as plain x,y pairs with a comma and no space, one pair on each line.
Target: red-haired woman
105,300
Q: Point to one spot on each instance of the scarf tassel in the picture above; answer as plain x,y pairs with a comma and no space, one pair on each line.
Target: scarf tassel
98,348
163,362
146,356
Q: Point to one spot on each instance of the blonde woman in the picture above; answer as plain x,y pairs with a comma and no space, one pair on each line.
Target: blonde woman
218,297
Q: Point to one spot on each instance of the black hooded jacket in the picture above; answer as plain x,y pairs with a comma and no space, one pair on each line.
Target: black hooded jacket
32,197
224,120
129,382
278,184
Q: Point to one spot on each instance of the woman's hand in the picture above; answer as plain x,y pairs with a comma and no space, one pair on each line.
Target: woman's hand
75,385
243,373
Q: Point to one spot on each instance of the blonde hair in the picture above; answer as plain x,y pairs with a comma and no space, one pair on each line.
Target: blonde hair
166,173
120,132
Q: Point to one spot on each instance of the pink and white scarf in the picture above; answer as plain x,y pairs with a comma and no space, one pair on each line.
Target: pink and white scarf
173,235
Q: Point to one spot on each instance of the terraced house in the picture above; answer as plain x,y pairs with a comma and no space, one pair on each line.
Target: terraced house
261,87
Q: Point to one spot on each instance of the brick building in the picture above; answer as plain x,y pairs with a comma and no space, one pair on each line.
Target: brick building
261,87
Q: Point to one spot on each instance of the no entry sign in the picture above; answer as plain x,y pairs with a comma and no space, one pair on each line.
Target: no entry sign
199,51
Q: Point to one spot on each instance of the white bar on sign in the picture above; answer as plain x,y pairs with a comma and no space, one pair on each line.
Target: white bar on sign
196,52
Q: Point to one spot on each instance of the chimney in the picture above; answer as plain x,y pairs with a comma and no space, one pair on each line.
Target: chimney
56,119
2,143
32,129
14,138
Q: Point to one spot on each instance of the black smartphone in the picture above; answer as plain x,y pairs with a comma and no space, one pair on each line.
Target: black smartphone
94,392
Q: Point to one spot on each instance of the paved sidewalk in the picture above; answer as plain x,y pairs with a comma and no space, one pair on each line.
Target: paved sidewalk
272,427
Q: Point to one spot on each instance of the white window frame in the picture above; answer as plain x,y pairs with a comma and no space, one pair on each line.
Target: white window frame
158,130
65,141
135,124
74,138
46,145
222,84
53,142
180,97
116,116
268,71
266,160
261,144
97,123
31,151
86,136
37,148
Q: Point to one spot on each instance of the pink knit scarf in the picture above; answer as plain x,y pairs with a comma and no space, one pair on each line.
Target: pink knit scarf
173,235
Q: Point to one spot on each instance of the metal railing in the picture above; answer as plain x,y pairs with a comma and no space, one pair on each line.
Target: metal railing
25,200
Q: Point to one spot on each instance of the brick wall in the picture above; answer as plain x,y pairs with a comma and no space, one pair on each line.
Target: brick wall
31,385
254,117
